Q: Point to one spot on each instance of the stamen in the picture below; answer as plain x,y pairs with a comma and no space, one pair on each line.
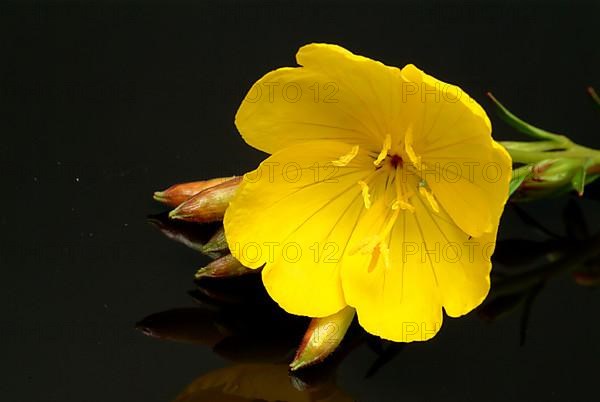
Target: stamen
379,251
346,159
387,144
430,198
402,205
365,193
374,259
401,198
408,141
374,244
385,252
366,246
389,225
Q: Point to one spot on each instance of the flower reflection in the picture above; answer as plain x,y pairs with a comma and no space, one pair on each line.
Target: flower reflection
529,264
258,382
236,318
241,324
203,238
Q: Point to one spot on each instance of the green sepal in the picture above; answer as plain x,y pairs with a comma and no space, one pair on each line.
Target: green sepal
525,127
519,175
578,180
529,146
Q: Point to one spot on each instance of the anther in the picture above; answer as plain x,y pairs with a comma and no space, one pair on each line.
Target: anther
365,193
346,159
408,141
387,144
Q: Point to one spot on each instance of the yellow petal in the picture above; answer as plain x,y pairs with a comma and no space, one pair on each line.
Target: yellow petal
398,303
466,169
431,263
442,103
335,95
461,263
296,218
473,186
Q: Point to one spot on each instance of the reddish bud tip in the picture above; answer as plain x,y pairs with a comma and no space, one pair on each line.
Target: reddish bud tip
208,205
224,267
322,337
178,193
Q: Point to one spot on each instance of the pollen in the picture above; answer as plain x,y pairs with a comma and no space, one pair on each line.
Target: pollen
387,144
346,159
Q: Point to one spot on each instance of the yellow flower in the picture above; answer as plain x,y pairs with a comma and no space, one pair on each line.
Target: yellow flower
383,192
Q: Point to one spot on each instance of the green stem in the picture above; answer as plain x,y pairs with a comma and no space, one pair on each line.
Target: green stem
551,165
522,152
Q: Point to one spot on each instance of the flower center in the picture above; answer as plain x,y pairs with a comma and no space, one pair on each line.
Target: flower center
396,161
399,192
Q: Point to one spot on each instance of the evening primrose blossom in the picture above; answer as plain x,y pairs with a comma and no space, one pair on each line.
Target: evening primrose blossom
383,192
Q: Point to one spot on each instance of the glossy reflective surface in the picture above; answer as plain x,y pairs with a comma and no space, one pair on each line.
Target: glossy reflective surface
103,103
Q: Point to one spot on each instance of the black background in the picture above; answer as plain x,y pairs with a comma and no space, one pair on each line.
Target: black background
104,102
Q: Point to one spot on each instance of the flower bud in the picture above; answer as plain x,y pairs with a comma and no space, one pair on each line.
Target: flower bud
208,205
322,337
217,243
556,176
224,267
178,193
